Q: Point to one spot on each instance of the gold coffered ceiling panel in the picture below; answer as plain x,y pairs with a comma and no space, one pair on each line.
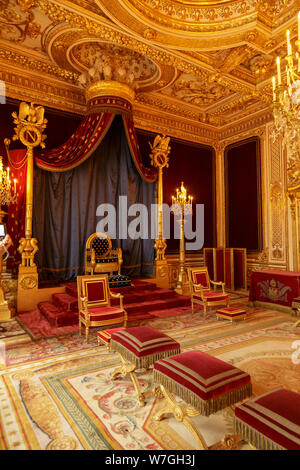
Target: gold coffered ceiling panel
205,64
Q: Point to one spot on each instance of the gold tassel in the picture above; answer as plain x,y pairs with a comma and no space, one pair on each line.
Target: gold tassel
141,362
205,407
254,437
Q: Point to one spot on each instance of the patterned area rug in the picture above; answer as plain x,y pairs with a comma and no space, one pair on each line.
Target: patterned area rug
65,399
11,329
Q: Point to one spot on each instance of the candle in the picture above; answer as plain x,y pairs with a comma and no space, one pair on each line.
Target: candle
289,47
274,87
288,79
299,26
278,71
15,185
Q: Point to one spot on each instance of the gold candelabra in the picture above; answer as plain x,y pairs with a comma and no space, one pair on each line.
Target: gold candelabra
8,195
286,98
182,205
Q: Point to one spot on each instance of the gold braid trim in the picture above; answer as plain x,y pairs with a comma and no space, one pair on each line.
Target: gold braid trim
254,437
140,362
205,407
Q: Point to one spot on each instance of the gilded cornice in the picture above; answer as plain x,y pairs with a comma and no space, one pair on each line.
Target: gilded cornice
24,61
246,127
29,87
148,119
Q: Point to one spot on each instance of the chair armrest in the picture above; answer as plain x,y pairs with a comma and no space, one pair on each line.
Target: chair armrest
84,306
117,296
93,257
219,283
198,286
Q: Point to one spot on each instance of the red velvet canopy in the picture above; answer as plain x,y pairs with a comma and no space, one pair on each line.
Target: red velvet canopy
78,148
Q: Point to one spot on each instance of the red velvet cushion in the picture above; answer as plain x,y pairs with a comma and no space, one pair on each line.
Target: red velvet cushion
276,415
200,278
231,311
144,341
103,313
211,296
202,374
95,291
105,335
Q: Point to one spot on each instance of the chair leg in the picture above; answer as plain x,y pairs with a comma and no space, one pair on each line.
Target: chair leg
79,327
192,306
87,333
204,309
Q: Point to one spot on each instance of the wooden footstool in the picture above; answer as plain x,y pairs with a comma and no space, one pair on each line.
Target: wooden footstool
204,382
139,347
270,421
104,336
231,313
296,310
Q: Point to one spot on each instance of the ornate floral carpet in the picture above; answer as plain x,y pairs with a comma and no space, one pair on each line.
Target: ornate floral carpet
57,393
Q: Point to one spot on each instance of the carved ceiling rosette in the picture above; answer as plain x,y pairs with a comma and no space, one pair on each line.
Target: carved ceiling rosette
177,23
94,59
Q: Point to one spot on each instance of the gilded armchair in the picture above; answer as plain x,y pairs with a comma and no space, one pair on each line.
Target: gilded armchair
94,304
100,257
200,289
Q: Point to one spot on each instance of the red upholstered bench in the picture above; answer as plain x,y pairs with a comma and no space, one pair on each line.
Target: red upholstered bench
139,347
270,421
204,382
104,336
231,313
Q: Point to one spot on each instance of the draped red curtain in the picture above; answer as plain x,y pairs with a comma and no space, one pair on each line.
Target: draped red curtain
148,174
16,213
79,146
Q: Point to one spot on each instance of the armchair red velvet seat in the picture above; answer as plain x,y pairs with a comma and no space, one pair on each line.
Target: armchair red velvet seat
200,289
94,303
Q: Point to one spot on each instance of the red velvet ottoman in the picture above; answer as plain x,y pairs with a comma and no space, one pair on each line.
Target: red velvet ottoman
104,336
203,381
270,421
231,313
139,347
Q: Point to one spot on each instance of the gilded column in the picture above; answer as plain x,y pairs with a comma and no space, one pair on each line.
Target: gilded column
220,194
30,124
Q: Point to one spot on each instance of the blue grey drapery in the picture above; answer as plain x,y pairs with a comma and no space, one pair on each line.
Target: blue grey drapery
65,205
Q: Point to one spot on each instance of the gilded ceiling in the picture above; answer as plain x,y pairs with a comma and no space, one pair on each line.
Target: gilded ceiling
204,63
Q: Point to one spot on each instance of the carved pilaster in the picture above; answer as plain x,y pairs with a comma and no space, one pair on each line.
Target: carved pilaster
220,193
276,206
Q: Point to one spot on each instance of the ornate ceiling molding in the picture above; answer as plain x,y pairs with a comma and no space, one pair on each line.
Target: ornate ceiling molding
205,64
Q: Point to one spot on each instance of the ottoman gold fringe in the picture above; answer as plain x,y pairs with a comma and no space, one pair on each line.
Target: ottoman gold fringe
205,407
254,437
141,362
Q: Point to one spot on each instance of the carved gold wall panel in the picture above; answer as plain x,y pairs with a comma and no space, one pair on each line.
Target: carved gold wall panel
277,204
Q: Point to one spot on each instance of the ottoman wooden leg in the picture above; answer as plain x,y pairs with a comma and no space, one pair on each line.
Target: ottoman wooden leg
183,414
296,324
128,369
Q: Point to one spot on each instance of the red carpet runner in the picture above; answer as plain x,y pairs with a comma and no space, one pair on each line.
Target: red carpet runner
142,301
